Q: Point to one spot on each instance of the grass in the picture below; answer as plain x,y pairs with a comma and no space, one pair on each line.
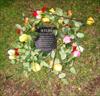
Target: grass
88,65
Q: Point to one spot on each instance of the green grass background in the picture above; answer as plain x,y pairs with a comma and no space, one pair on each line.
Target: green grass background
87,66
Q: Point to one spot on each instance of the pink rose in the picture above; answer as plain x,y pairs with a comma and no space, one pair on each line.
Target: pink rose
67,39
76,53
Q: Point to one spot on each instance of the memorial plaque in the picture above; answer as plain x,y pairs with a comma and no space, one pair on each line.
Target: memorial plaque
46,40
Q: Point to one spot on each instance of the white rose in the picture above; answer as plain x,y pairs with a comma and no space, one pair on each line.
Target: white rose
80,48
62,75
11,52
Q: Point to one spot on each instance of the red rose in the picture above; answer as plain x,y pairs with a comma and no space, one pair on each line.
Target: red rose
35,13
44,8
16,51
18,31
74,48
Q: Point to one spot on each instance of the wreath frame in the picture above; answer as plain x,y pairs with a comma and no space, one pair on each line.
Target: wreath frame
67,34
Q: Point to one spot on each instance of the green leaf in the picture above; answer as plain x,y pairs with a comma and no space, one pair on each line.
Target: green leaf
64,81
35,58
27,53
57,61
36,22
66,21
23,57
27,58
53,54
66,30
18,26
26,65
59,11
22,50
62,53
55,32
26,46
43,63
75,29
80,35
77,24
13,61
72,70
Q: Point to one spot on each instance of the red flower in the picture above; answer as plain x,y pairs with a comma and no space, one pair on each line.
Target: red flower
18,31
44,8
35,13
74,49
16,51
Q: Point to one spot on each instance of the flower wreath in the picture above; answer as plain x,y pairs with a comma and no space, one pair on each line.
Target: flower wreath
68,39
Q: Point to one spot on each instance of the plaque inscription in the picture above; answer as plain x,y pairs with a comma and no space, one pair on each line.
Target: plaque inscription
46,40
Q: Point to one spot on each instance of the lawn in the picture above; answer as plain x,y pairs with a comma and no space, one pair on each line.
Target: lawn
87,80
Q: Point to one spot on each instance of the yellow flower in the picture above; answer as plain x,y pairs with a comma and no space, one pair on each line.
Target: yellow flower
69,13
24,38
50,63
33,29
26,20
60,21
36,67
52,10
57,67
90,21
45,20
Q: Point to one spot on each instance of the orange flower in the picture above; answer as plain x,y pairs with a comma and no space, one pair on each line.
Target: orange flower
69,13
26,20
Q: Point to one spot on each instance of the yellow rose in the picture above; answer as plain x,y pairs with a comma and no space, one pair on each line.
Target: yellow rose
60,21
36,67
24,38
45,20
57,67
50,63
90,21
52,10
69,13
33,29
26,20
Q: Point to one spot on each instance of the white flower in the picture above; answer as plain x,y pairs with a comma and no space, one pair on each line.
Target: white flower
38,17
80,48
39,14
11,52
62,75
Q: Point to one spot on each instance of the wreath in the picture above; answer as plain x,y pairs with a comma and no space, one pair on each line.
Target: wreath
50,38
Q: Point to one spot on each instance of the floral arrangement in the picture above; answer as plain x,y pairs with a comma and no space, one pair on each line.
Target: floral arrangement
68,36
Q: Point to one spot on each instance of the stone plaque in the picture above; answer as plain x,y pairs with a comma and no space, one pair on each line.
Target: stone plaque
46,40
